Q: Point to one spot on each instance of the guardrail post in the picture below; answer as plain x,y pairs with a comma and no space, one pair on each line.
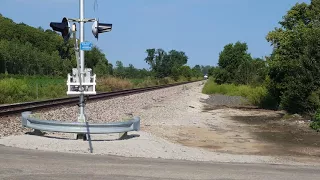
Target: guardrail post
123,135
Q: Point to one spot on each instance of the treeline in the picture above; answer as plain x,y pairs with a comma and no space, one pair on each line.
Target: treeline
236,66
172,64
29,51
291,74
25,50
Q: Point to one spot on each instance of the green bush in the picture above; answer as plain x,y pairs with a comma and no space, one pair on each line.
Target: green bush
196,78
269,102
21,90
147,82
135,82
255,95
316,121
182,79
107,84
166,80
12,89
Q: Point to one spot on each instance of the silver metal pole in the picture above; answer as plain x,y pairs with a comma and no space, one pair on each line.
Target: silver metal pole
81,103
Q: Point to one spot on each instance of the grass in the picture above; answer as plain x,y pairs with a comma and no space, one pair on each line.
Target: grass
28,89
255,95
315,125
106,84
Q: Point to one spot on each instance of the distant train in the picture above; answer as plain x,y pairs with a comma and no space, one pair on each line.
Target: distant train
205,76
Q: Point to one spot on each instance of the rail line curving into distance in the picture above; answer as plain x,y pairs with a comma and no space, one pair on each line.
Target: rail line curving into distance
35,105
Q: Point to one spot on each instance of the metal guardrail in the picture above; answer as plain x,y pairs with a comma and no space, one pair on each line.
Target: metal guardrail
77,127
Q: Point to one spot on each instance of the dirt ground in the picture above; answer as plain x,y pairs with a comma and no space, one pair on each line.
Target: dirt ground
249,131
218,123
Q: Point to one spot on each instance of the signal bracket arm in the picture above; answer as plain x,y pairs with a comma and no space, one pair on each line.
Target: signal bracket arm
83,20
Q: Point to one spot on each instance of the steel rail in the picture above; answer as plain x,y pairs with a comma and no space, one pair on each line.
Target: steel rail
29,106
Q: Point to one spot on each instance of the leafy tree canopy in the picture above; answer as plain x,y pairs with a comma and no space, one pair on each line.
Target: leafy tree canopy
295,60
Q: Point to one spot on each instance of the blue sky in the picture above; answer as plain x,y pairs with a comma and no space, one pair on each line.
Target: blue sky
201,28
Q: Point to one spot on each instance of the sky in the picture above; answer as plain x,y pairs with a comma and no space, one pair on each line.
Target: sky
200,28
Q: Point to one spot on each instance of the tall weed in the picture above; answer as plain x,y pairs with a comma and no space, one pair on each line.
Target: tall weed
113,84
21,90
255,95
316,121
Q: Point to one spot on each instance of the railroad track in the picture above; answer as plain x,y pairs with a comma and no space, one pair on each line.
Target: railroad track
35,105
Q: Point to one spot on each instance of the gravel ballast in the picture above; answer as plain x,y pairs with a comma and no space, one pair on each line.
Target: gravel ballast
162,113
110,110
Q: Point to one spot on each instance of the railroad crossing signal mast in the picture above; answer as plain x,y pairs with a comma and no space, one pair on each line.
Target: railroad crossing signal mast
82,81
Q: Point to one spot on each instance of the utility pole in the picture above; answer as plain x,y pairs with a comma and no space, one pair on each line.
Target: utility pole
81,117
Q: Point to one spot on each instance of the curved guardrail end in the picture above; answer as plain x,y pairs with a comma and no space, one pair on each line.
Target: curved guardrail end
78,127
25,116
136,124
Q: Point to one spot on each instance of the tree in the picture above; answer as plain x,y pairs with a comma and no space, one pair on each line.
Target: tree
177,58
196,71
164,64
233,57
186,72
29,51
258,71
157,61
150,59
212,71
205,69
93,57
132,72
119,71
110,68
101,68
294,63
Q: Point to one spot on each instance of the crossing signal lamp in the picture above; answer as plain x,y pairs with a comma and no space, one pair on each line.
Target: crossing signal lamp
65,29
62,27
100,28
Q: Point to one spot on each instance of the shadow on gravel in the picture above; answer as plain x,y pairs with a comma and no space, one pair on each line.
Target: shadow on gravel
218,101
36,133
124,138
225,100
289,137
207,108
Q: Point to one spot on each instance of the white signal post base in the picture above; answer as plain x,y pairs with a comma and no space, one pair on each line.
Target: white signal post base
88,84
